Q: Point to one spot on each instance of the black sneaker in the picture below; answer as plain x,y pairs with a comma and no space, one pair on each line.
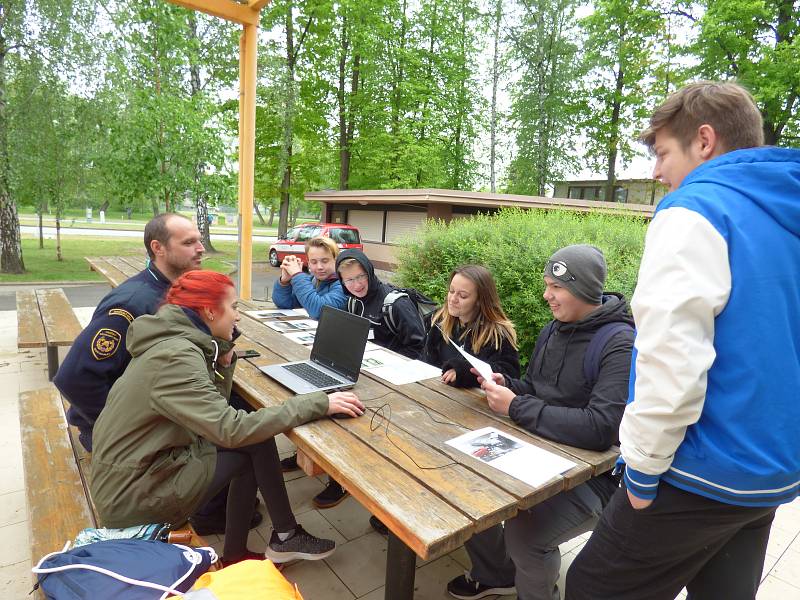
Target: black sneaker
466,588
289,463
330,496
301,546
215,524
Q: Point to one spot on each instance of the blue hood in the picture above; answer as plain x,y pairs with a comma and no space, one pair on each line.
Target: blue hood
766,172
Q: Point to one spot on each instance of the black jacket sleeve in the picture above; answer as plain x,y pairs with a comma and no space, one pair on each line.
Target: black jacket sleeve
410,337
431,353
595,426
94,362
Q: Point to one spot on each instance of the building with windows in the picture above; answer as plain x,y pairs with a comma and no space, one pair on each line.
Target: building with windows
630,191
384,217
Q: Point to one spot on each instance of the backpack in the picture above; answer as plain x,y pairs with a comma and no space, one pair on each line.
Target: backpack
594,351
424,305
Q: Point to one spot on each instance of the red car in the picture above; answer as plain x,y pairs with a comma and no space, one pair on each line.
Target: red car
345,236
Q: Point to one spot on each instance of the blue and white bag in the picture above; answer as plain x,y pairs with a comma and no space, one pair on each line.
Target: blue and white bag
122,570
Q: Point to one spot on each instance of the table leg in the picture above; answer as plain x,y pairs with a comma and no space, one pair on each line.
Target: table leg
401,563
52,362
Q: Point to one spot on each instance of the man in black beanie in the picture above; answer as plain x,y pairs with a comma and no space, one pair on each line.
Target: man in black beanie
573,392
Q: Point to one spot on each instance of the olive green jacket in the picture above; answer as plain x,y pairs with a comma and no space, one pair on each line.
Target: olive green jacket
155,441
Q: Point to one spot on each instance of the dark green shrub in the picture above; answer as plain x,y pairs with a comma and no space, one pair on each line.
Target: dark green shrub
515,245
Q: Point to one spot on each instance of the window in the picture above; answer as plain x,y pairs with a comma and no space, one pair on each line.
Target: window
306,233
344,236
292,234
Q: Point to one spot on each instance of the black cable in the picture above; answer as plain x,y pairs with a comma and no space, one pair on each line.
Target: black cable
379,412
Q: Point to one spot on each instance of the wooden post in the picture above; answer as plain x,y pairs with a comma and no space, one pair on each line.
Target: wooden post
247,142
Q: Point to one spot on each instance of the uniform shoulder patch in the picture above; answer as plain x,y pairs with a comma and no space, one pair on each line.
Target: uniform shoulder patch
105,343
121,312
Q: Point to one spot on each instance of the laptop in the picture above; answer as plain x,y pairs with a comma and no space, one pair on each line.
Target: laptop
335,356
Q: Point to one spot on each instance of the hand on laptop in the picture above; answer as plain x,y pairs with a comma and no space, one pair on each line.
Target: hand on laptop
345,403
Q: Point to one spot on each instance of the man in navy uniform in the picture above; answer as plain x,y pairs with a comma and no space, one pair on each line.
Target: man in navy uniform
98,357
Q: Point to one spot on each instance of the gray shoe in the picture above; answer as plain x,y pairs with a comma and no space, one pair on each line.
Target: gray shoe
301,546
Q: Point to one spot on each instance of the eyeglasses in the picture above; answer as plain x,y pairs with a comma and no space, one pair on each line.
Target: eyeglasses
560,271
356,279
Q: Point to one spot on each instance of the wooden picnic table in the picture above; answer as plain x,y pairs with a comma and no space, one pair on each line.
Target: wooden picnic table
432,497
116,269
394,459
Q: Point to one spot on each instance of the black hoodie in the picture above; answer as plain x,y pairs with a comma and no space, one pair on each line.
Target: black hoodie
553,398
410,337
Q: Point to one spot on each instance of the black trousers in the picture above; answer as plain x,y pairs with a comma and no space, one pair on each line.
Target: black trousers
715,550
247,469
217,504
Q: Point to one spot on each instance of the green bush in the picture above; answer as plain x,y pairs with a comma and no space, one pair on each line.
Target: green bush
515,245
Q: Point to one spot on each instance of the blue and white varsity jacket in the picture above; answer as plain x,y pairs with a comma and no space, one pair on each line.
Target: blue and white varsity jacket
714,405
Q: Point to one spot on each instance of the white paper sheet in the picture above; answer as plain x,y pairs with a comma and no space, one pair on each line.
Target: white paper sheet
396,368
274,313
301,337
484,368
511,455
288,326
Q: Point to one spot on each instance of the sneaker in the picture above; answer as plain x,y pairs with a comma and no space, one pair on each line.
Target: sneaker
330,496
289,463
301,546
215,524
467,588
378,525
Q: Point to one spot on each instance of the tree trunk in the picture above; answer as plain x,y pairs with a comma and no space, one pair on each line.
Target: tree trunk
59,257
41,232
344,149
10,239
288,122
200,200
258,212
271,216
613,141
498,17
154,206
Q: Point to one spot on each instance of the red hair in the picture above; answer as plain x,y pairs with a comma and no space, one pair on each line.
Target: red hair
199,289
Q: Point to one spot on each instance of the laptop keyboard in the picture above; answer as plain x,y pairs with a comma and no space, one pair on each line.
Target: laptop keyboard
311,375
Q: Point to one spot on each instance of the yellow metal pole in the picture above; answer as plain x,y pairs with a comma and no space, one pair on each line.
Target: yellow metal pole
247,143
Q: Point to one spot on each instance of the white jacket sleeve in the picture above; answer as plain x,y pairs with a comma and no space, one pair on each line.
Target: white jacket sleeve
684,283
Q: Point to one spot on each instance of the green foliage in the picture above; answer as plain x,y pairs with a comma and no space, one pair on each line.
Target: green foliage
515,245
758,43
546,100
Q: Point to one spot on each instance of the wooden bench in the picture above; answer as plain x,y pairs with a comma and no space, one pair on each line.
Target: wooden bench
45,319
57,476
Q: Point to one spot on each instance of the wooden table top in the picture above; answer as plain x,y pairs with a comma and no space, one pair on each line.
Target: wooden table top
430,495
116,269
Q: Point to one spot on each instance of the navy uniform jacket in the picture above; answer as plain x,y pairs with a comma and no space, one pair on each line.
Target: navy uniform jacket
98,357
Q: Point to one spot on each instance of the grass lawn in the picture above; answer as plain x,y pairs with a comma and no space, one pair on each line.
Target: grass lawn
41,264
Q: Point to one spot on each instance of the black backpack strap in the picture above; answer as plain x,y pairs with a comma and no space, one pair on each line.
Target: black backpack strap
594,351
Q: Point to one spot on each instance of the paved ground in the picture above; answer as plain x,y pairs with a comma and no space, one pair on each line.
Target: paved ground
356,569
50,233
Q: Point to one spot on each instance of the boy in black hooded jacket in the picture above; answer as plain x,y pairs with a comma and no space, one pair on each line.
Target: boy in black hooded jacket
365,297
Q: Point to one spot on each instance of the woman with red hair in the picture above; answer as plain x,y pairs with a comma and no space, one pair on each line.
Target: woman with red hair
168,441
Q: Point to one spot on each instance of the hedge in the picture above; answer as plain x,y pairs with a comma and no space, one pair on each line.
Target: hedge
514,245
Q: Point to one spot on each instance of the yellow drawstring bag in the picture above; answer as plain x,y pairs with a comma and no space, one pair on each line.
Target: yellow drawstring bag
246,580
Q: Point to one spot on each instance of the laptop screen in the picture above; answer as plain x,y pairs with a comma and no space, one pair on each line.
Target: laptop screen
340,341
